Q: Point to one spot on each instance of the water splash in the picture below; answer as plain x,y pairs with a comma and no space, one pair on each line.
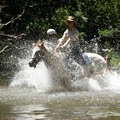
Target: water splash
109,81
113,81
41,79
38,78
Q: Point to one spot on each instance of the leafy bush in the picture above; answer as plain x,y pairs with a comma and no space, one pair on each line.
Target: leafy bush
114,58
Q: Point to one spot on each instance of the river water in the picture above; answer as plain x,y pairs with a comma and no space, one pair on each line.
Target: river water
31,96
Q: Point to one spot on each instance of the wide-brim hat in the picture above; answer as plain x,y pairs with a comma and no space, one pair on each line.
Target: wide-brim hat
70,18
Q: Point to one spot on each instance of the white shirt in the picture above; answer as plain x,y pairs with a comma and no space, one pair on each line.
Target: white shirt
70,38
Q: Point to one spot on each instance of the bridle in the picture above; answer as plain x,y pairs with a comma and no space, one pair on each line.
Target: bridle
37,58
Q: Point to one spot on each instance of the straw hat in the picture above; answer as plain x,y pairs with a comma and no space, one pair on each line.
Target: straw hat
71,18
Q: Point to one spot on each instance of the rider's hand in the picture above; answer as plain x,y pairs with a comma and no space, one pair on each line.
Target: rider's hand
56,49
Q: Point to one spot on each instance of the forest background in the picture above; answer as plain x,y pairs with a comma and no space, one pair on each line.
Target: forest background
24,21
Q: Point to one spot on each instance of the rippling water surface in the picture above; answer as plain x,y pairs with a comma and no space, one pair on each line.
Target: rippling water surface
31,96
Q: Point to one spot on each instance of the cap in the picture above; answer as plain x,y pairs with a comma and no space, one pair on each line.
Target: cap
51,32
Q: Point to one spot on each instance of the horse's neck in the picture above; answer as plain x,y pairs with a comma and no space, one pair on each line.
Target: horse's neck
55,64
49,58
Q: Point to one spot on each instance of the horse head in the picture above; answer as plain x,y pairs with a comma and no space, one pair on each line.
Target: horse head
38,53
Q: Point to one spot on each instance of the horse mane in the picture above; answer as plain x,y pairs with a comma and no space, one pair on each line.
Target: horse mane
39,43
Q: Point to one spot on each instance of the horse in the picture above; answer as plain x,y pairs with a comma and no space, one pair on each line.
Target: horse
96,64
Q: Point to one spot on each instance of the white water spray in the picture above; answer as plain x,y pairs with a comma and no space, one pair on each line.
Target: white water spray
109,81
113,80
38,78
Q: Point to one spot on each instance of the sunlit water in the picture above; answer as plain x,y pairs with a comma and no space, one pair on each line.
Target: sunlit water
32,95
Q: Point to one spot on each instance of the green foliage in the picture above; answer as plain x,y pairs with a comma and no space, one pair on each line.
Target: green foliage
58,19
114,58
33,27
91,15
108,32
59,15
38,26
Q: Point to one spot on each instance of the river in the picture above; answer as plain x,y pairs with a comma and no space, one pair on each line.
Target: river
31,96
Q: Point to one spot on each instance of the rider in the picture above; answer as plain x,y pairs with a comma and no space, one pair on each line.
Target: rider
51,41
70,40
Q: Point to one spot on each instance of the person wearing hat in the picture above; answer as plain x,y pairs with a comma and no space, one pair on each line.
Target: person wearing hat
51,40
70,40
51,32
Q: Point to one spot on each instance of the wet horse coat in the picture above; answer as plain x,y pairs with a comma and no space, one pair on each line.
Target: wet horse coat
96,64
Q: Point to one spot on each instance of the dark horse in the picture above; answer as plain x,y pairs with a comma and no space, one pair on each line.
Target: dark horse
54,63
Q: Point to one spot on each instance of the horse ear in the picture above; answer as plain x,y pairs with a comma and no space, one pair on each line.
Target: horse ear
42,44
39,41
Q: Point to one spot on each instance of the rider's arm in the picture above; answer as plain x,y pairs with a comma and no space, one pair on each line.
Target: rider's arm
62,41
66,43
